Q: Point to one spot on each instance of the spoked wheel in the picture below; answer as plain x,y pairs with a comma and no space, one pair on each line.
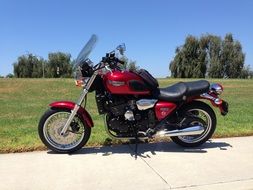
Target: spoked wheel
50,126
197,114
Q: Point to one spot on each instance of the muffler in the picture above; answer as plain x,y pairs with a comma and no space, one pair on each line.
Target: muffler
196,130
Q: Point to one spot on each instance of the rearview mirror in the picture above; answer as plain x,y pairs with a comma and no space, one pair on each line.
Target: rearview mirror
121,48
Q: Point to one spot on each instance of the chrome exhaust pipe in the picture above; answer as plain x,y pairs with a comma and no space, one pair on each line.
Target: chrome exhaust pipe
196,130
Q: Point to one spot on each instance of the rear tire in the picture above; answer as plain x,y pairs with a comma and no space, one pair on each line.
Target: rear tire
209,125
50,126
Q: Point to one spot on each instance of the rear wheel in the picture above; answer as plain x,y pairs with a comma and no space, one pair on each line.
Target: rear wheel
197,113
50,127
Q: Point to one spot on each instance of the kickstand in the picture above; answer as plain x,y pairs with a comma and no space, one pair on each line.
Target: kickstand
136,145
136,141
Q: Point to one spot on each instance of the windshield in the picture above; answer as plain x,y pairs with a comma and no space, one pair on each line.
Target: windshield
85,52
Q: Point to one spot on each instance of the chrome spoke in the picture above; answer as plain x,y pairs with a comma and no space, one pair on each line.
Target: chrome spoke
53,127
206,122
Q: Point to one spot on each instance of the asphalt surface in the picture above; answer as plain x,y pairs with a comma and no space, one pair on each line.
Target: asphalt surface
219,164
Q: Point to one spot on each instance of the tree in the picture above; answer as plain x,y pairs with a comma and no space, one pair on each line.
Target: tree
31,66
10,75
59,65
232,57
129,64
246,72
208,56
189,61
132,66
213,50
28,66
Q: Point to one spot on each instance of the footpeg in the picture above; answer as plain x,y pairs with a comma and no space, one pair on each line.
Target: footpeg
150,133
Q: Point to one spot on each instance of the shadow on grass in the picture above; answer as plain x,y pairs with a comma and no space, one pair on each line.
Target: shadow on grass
147,149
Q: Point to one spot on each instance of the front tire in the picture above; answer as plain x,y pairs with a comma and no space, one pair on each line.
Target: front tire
50,126
202,114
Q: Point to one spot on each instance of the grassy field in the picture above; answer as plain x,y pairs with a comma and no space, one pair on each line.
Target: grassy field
23,101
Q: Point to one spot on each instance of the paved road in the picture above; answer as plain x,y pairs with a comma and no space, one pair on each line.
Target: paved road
220,164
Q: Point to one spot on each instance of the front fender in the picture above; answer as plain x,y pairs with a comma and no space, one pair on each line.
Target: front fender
70,105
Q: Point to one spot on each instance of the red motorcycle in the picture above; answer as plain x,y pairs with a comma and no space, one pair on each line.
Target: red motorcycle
133,105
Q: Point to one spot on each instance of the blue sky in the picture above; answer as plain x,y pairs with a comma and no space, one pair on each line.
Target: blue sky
151,30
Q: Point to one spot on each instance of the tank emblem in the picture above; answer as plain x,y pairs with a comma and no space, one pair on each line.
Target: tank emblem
116,83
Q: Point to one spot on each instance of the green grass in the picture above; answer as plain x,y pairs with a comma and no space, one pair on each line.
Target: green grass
23,101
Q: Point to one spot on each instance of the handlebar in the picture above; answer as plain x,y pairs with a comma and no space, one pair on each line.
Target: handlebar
112,61
109,62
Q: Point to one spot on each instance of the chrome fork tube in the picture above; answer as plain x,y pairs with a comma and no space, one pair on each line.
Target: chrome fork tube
78,103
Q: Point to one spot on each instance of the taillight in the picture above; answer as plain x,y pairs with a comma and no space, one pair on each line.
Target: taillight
218,101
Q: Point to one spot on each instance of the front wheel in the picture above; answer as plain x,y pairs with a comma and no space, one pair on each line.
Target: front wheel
197,113
51,124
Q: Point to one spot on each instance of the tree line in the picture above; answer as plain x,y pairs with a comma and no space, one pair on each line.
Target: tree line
57,65
209,56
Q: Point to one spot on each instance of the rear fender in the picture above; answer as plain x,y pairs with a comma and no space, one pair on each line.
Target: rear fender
70,105
216,102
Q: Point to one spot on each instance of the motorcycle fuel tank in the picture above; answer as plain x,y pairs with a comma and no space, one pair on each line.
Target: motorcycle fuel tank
125,82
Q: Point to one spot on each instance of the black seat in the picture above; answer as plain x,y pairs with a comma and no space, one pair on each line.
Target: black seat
181,90
197,87
172,93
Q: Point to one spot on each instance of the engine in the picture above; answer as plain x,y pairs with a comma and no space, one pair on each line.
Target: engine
124,116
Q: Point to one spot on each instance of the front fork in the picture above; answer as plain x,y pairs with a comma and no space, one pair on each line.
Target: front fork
78,103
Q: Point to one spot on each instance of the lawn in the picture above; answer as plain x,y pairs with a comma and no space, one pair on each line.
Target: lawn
23,101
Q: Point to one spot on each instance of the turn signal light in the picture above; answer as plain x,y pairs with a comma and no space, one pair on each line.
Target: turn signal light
79,83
